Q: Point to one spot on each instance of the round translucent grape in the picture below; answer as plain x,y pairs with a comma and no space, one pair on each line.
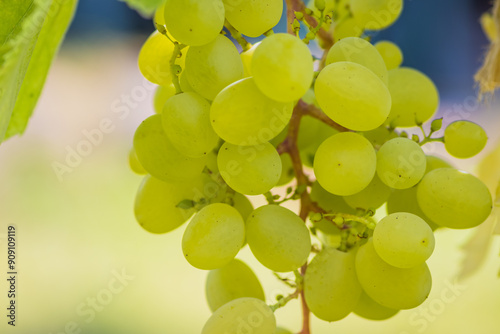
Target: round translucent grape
369,309
401,163
464,139
162,94
391,53
379,136
213,237
435,163
360,51
348,27
154,59
331,288
242,115
194,22
213,66
414,97
454,199
233,281
250,170
282,67
278,238
345,163
253,18
134,163
156,203
287,172
330,203
159,157
389,286
353,96
242,315
403,240
186,121
405,200
376,14
243,205
246,58
371,197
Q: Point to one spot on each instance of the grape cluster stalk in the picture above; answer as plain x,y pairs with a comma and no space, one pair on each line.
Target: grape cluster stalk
232,123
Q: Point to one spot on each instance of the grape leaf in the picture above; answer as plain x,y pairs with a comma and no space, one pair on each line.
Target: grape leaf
30,34
144,7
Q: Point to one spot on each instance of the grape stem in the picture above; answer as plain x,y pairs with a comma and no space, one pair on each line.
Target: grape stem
283,301
175,69
299,6
237,36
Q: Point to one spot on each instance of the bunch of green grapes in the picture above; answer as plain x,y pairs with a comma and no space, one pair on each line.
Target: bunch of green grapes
234,119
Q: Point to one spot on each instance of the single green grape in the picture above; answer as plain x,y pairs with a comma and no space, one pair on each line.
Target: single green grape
246,58
353,96
253,18
282,67
213,237
391,53
369,309
376,14
242,315
464,139
435,163
403,240
415,98
242,115
389,286
405,200
154,59
156,203
287,172
162,94
233,281
345,163
134,163
348,27
371,197
278,238
159,157
213,66
401,163
360,51
250,170
454,199
186,122
194,22
331,288
379,136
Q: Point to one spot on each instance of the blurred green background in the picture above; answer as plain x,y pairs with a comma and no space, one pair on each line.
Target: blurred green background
76,231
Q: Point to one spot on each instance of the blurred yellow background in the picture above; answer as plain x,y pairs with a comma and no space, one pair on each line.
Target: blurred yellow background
76,231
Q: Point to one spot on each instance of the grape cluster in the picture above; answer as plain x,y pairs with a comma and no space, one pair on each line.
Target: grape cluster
230,124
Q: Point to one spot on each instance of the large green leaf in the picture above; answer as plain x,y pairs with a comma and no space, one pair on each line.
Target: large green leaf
31,32
144,7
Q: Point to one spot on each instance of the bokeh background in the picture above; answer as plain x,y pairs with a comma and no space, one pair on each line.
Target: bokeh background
76,230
